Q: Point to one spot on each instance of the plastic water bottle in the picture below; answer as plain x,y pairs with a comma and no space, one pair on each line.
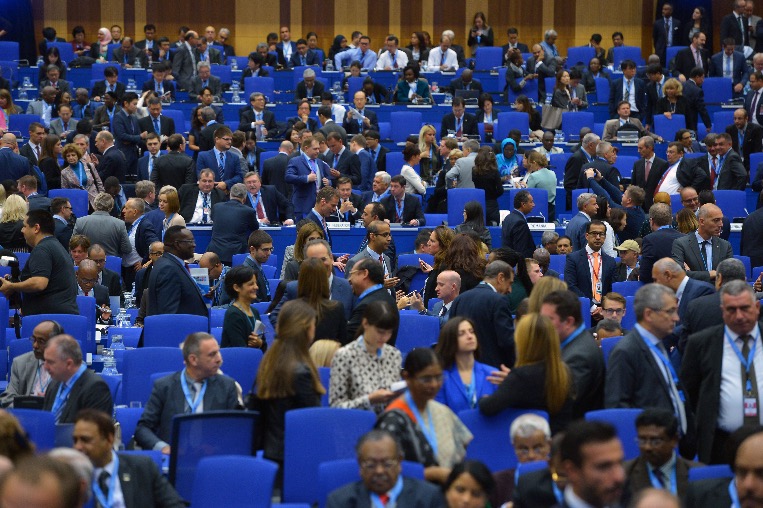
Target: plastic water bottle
23,95
109,362
329,65
123,319
234,64
40,61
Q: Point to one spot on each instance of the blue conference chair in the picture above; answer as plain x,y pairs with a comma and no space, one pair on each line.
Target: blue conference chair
487,58
154,455
732,202
457,198
9,50
336,430
627,288
607,345
627,53
602,90
717,90
77,197
241,363
529,467
216,317
39,425
624,420
20,123
710,472
266,86
169,330
511,120
404,123
540,197
629,319
231,480
139,364
336,473
557,162
128,418
395,163
579,55
667,128
747,264
573,121
416,331
413,259
263,157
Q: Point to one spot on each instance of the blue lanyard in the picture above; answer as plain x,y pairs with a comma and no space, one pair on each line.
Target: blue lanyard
572,336
79,170
43,389
254,202
63,394
184,384
393,495
428,430
557,493
470,390
734,495
369,290
748,363
666,361
108,503
658,485
135,225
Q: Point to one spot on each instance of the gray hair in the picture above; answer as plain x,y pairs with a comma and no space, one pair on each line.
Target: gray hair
308,73
731,269
584,198
208,113
66,347
736,288
660,214
603,147
648,141
79,462
590,138
144,187
472,145
386,177
138,204
261,45
106,136
238,191
550,33
497,267
203,64
223,31
650,296
528,424
548,237
103,202
254,95
317,241
377,435
450,34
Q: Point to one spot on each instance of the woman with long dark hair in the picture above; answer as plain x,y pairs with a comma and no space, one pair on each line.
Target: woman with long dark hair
48,163
239,324
481,34
523,105
314,288
363,371
699,23
194,135
418,47
52,57
474,220
485,176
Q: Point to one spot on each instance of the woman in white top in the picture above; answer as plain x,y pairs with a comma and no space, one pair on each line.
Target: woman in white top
413,182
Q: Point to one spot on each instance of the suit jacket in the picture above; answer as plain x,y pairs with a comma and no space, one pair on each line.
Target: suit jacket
100,87
577,273
660,36
758,106
351,126
118,55
411,209
576,231
695,97
105,230
112,281
685,62
751,143
303,197
126,135
367,170
469,127
282,61
732,174
611,126
89,392
174,168
616,95
415,494
276,206
515,234
38,202
301,91
213,83
61,85
189,194
352,218
534,490
167,87
730,29
213,54
363,255
143,484
348,165
274,173
23,371
693,290
381,159
13,166
57,126
686,250
621,274
637,474
458,84
171,290
247,117
572,172
494,325
183,68
696,318
231,171
752,237
311,58
708,493
740,71
341,291
145,235
659,166
64,232
356,317
36,108
233,224
694,173
166,125
167,400
403,88
586,362
332,126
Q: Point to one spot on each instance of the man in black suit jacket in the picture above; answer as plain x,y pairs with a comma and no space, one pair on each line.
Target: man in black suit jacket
377,151
489,309
128,56
113,161
581,157
141,482
686,59
534,489
687,249
731,171
171,290
659,243
751,134
370,121
515,233
460,122
341,160
61,209
304,56
257,115
191,193
411,213
367,273
666,32
266,200
513,38
730,25
144,234
350,208
274,170
657,168
465,82
234,222
672,275
309,88
752,237
637,97
174,168
63,361
579,267
110,84
148,123
158,84
717,404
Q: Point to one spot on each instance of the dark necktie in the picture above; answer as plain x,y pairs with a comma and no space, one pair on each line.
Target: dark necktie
754,105
221,166
204,206
703,251
660,476
153,164
103,483
336,160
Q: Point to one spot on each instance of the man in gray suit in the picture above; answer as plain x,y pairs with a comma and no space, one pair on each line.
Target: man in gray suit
44,107
328,123
195,389
462,170
28,374
184,62
103,229
64,124
703,250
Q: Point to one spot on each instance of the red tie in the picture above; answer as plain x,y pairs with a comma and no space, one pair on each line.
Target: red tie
260,211
713,171
87,293
384,498
647,168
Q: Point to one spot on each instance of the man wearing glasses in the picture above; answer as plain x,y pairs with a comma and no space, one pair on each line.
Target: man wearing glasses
588,271
87,285
220,160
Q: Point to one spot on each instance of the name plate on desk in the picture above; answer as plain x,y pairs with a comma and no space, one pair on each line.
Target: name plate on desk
736,227
541,226
338,225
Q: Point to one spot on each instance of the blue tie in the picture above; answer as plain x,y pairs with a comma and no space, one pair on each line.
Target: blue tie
157,129
221,167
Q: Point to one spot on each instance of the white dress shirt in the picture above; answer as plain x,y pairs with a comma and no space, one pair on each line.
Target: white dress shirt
435,59
385,60
731,405
669,182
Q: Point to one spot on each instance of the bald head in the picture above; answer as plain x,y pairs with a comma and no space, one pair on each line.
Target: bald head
667,272
8,140
448,286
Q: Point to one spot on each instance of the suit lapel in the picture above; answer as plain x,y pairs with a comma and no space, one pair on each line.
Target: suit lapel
716,251
649,358
125,483
698,261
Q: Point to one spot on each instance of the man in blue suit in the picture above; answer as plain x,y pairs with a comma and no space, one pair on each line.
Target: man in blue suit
127,134
730,64
587,209
447,289
234,222
670,274
589,272
12,165
307,173
304,56
515,232
146,163
367,166
224,163
628,88
659,243
171,290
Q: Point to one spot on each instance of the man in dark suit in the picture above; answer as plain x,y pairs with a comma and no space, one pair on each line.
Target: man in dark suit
369,122
168,399
128,56
140,480
184,61
657,167
657,431
175,168
304,56
205,79
171,290
628,88
376,249
274,170
326,118
513,37
576,228
380,447
285,48
61,209
718,400
488,308
515,233
234,222
307,174
688,249
260,245
144,234
749,134
465,82
666,32
659,243
733,26
402,208
155,121
695,98
752,237
460,122
257,118
694,56
350,207
206,53
147,162
731,171
588,271
127,133
112,162
583,156
732,64
341,160
106,277
672,275
87,275
110,84
221,160
271,206
752,101
377,151
579,350
158,83
197,200
84,388
12,165
367,274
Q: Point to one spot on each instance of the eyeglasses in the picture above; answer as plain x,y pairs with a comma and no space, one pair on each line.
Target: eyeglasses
600,234
669,312
690,200
616,312
385,235
524,451
372,465
651,441
227,138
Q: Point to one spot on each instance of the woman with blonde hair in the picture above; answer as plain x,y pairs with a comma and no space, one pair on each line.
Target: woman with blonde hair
430,162
322,352
687,221
169,203
11,222
287,378
80,174
540,379
672,101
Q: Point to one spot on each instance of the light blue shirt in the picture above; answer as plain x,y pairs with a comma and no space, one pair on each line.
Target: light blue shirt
708,249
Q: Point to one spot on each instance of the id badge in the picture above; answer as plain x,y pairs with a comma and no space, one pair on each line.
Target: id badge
750,407
598,287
